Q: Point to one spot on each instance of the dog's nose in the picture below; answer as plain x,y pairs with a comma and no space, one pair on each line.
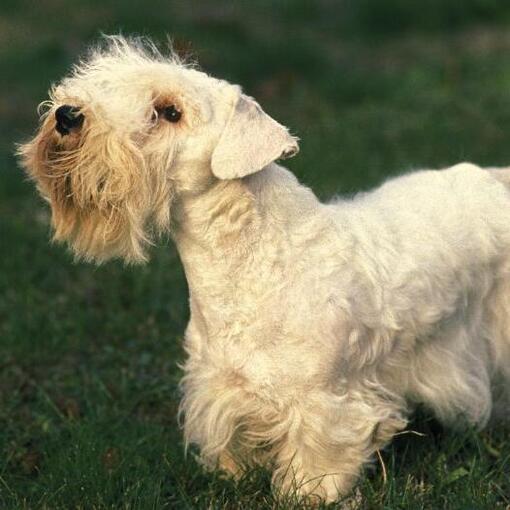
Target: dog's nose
68,117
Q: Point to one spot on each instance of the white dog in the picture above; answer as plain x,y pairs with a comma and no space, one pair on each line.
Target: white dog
314,327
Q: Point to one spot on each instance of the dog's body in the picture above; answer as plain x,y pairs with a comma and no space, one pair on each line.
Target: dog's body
318,325
314,327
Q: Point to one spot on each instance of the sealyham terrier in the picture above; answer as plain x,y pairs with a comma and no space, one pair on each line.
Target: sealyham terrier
315,327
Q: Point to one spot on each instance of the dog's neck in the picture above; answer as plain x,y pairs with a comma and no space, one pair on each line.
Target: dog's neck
236,224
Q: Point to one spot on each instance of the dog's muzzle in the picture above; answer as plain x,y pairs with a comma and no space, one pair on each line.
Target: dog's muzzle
68,117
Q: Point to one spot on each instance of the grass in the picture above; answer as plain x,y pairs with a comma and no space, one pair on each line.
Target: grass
88,356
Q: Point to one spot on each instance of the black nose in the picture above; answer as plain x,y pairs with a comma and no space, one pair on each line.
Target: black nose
68,117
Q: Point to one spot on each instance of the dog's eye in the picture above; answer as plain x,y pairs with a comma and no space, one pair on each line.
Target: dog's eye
171,113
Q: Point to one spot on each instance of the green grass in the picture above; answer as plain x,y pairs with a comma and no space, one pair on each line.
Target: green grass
88,356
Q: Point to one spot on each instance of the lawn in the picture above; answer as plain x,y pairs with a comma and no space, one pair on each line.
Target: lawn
89,356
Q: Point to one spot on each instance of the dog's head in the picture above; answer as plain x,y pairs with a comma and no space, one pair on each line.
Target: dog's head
127,133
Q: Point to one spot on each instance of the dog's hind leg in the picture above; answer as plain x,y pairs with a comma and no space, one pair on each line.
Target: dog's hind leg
498,327
451,374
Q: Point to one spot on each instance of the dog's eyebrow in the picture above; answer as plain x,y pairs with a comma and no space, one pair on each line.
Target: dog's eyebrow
164,99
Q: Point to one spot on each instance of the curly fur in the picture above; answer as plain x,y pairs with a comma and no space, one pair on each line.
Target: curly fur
315,327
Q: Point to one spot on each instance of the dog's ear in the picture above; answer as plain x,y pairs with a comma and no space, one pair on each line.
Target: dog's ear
250,141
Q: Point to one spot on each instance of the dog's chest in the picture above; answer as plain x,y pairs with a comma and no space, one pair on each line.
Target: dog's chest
274,369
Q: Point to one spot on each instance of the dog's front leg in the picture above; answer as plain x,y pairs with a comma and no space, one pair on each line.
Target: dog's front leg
228,464
329,440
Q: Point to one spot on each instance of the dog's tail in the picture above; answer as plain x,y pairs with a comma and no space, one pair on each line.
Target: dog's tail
502,174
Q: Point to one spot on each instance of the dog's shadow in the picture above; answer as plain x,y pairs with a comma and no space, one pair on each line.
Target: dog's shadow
427,459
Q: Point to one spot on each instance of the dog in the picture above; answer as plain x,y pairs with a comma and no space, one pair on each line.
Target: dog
315,328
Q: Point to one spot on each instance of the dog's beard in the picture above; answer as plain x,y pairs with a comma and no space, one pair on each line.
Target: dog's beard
105,203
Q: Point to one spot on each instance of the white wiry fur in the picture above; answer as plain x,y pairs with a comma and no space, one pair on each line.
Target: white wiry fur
315,328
